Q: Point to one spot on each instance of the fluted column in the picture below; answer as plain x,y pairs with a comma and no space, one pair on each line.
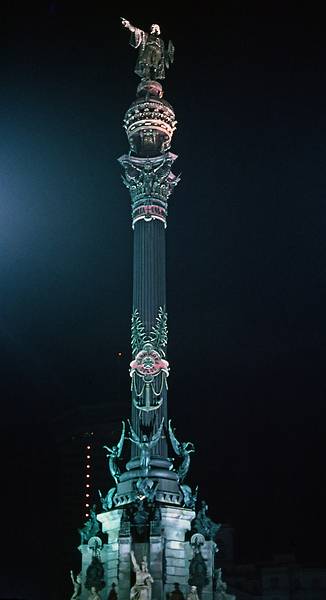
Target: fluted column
150,183
149,278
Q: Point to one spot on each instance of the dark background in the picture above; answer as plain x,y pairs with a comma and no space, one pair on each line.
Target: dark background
246,262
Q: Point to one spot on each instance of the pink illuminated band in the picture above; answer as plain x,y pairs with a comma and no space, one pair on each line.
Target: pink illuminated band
149,212
149,363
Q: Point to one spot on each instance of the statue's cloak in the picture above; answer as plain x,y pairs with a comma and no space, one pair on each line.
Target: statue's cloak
139,39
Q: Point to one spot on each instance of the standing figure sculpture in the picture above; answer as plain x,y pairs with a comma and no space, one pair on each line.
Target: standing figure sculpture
153,57
182,449
204,524
145,444
77,585
142,590
91,526
114,454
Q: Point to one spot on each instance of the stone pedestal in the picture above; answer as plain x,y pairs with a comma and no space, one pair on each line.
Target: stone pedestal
167,551
208,551
157,564
109,554
168,554
87,556
124,574
86,561
111,524
175,523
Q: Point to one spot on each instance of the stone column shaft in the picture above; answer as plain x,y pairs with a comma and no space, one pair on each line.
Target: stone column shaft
150,183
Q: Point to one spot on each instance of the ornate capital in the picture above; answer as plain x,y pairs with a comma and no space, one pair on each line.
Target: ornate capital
150,183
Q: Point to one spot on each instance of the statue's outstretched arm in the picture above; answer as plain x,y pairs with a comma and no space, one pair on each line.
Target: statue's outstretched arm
175,444
157,435
133,560
127,24
122,438
133,435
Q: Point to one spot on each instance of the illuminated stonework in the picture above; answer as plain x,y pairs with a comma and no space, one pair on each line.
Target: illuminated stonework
148,369
148,363
150,183
151,124
150,121
150,509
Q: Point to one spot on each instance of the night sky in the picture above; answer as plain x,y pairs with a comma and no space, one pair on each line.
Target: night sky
246,261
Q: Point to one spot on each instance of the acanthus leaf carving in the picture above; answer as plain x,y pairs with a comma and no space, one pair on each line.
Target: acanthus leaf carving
159,333
138,335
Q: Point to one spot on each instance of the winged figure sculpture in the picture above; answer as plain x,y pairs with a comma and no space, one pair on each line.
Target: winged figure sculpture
182,449
145,444
114,454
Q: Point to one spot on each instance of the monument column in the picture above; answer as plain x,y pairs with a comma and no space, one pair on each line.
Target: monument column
149,123
148,513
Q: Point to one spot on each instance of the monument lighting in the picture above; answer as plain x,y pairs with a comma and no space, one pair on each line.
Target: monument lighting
152,535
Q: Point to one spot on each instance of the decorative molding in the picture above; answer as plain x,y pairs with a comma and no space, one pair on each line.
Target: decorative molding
150,183
175,499
150,123
149,370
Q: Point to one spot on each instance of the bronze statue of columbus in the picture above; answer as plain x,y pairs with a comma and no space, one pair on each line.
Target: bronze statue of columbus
153,57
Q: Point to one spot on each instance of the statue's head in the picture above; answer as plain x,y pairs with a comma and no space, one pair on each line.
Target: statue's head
145,437
155,29
143,565
93,589
78,578
193,588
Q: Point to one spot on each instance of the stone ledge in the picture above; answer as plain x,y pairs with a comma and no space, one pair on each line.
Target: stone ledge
171,579
176,571
171,554
175,562
174,545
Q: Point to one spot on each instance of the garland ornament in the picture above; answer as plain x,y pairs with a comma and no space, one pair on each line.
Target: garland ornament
149,369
